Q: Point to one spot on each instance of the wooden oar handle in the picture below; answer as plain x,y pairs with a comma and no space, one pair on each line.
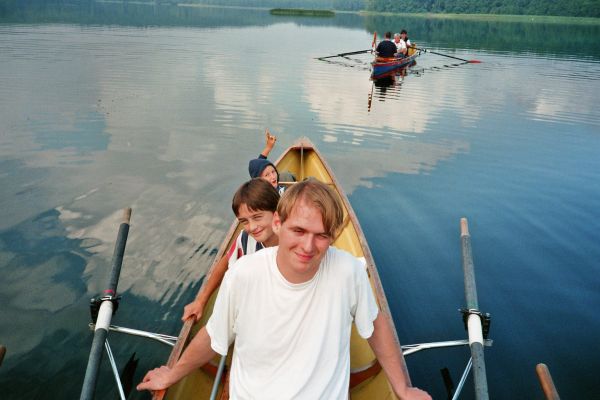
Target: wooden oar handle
546,381
126,215
2,353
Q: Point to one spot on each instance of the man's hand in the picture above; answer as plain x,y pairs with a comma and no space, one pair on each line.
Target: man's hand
413,393
193,310
157,379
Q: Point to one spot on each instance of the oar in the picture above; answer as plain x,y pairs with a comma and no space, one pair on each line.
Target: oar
346,54
105,313
446,55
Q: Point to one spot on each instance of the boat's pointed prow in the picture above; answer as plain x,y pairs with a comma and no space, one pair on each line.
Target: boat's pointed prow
303,142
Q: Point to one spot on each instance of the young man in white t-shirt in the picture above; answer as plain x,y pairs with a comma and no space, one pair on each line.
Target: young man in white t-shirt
254,204
290,311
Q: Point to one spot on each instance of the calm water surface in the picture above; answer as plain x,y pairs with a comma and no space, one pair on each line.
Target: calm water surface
105,106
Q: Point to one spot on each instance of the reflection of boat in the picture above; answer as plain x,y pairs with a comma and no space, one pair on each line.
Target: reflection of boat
385,66
367,379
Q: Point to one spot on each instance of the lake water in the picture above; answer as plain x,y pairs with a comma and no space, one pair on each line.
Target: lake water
109,105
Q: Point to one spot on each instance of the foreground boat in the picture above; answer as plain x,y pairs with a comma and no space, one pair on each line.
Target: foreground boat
381,67
367,379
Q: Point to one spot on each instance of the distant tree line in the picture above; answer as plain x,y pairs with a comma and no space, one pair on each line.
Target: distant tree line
575,8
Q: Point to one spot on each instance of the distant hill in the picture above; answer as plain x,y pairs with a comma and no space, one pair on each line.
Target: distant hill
573,8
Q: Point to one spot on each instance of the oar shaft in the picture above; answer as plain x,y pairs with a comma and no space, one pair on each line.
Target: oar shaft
118,253
440,54
346,54
105,312
474,323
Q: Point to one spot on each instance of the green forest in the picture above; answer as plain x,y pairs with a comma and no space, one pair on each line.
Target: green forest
574,8
568,8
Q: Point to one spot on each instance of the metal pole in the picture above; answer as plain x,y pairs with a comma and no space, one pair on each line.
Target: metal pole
106,311
113,365
463,379
215,388
474,321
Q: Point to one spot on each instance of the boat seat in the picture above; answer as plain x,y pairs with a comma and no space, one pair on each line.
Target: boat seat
361,374
287,177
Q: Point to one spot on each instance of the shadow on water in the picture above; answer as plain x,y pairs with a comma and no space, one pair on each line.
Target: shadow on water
45,285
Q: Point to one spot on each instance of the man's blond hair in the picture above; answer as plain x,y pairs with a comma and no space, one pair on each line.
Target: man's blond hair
316,194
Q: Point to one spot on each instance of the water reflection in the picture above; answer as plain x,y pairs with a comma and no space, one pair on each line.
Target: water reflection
503,37
116,105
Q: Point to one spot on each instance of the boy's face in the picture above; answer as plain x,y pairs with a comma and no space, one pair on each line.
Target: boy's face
270,175
257,223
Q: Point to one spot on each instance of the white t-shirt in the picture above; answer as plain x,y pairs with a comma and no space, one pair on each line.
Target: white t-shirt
400,45
292,341
403,44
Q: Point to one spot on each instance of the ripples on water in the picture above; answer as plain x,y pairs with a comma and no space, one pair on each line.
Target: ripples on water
162,112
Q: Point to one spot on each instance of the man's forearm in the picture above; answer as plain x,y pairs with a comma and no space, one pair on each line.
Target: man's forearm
198,353
388,353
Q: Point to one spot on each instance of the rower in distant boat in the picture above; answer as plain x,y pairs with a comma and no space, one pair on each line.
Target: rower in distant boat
399,46
404,44
386,48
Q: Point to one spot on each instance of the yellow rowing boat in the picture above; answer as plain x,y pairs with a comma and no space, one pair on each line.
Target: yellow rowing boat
367,379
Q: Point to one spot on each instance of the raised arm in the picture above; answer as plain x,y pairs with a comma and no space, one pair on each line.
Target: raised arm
269,143
195,355
196,308
384,345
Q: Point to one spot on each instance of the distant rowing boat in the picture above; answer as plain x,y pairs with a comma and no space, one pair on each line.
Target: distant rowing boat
381,67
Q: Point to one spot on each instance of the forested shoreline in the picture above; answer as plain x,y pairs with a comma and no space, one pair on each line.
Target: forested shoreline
572,8
562,8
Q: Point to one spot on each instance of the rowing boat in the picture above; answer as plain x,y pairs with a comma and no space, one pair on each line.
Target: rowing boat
367,379
382,66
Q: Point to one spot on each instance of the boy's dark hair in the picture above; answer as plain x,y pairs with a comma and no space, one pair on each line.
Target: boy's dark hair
388,35
403,31
257,194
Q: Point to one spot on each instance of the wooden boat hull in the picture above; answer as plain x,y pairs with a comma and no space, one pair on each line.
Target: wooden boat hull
383,67
367,379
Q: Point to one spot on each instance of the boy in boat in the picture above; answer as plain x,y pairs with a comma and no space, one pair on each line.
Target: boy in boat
290,310
261,167
253,204
386,48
